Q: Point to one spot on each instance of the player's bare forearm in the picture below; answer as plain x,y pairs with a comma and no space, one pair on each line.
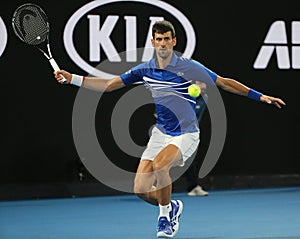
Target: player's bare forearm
232,86
97,84
236,87
92,83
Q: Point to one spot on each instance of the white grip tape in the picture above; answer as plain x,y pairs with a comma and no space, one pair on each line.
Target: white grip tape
56,68
76,80
54,64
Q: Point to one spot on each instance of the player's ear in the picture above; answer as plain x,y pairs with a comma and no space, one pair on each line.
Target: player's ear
152,42
174,41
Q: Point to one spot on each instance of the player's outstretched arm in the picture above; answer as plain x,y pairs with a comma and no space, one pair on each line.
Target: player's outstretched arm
236,87
93,83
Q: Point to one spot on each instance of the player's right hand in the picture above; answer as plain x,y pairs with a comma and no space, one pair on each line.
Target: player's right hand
62,73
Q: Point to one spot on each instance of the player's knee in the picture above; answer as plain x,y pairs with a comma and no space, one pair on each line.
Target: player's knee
140,188
161,166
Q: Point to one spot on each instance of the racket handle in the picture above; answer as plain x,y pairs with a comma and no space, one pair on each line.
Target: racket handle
56,68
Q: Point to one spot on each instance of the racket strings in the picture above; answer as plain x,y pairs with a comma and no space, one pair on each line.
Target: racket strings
31,25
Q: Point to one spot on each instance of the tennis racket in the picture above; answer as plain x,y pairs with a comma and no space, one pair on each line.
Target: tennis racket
30,23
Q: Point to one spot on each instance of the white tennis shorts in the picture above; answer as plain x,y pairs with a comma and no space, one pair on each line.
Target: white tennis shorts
187,143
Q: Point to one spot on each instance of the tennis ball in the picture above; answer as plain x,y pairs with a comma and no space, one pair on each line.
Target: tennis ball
194,90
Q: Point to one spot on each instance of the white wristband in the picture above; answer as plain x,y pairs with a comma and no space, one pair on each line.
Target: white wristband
76,80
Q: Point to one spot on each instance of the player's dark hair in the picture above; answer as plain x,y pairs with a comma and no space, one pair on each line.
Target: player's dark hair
162,27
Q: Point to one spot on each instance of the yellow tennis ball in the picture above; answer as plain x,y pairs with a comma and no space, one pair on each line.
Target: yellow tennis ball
194,90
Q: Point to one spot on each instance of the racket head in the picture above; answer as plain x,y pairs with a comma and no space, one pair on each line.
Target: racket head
30,23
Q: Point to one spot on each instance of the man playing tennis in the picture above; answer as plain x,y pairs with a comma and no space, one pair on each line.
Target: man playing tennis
176,134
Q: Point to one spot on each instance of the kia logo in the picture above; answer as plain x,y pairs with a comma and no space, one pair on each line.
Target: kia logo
100,35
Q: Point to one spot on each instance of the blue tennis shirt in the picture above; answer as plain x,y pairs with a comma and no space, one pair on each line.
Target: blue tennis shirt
175,108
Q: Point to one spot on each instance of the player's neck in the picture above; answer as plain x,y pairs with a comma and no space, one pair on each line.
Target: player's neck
163,62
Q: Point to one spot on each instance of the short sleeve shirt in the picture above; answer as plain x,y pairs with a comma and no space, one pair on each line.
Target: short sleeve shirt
175,108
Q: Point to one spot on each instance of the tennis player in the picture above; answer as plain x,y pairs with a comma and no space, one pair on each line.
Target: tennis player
175,136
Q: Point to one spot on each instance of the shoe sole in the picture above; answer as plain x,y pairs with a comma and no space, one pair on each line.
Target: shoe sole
163,235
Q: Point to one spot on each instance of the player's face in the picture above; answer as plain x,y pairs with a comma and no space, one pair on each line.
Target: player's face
164,44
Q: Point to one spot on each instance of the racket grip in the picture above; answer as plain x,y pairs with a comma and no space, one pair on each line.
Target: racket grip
56,68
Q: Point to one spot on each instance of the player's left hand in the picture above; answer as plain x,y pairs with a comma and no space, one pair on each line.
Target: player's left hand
272,100
202,86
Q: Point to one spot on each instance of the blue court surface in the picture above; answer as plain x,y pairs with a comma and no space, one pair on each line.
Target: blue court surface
272,213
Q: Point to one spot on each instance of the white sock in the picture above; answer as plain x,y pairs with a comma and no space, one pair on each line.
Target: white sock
164,211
